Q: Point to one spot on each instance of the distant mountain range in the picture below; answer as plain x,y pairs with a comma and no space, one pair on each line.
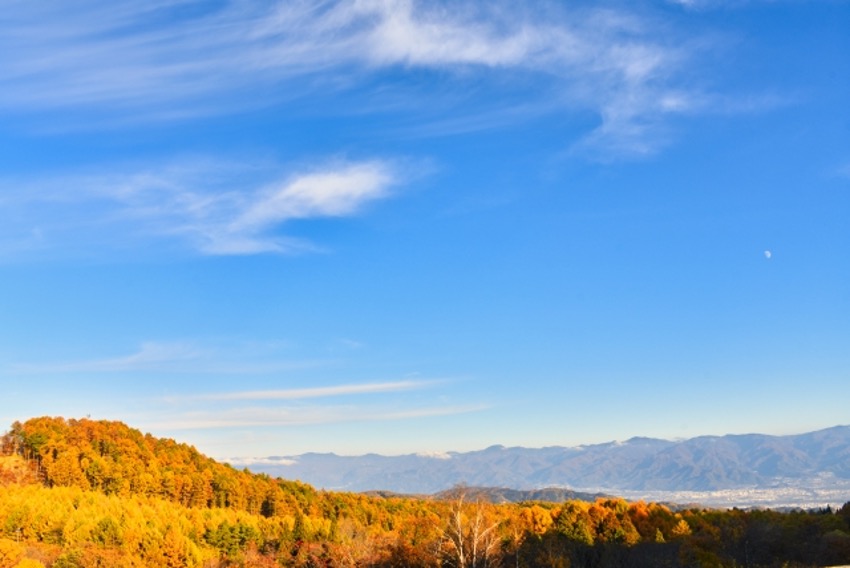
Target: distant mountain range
703,464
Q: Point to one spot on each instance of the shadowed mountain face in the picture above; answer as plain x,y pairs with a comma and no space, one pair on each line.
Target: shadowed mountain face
707,463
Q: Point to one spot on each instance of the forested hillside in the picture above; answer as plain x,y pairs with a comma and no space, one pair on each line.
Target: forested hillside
83,493
114,459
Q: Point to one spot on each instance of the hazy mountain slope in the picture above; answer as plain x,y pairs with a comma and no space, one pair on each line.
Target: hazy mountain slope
705,463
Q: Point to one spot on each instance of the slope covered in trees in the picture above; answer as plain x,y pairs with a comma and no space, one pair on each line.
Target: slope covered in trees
114,459
82,493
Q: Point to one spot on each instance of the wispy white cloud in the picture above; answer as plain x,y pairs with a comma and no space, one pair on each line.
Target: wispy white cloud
262,416
316,392
336,193
173,58
150,356
175,357
712,4
217,209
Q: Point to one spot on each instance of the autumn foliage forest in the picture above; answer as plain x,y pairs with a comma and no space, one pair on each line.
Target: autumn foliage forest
84,493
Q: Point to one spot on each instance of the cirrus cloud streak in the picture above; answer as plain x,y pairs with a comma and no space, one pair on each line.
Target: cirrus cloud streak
174,59
317,392
300,416
214,209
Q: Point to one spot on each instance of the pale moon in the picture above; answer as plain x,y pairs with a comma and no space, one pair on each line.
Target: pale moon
768,254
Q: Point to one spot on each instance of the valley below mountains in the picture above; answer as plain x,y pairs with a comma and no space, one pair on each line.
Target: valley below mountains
805,470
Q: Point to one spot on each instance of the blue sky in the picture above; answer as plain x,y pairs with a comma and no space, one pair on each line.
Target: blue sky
268,228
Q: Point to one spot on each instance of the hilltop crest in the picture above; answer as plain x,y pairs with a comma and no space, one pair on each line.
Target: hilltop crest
114,459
